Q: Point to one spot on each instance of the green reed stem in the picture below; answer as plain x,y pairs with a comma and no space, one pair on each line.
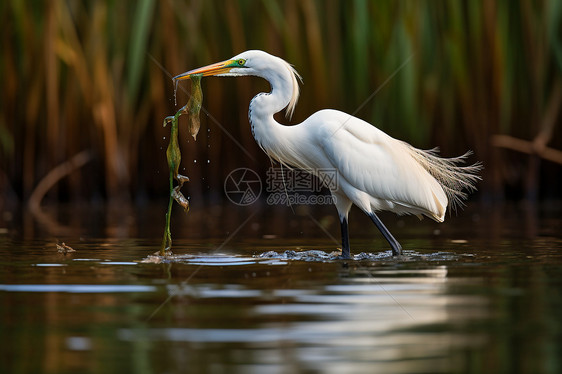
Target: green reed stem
173,155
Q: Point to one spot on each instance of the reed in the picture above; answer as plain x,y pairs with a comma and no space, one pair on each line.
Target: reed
79,76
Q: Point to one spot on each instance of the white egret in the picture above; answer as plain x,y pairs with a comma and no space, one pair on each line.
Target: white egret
374,171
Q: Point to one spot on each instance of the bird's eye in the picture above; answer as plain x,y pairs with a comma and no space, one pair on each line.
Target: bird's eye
241,62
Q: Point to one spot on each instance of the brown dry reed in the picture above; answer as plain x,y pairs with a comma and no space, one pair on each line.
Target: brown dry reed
79,76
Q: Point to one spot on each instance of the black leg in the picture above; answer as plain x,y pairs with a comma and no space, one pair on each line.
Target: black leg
396,247
345,252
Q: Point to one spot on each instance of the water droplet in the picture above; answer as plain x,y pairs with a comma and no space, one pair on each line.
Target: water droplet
175,92
208,161
194,161
163,138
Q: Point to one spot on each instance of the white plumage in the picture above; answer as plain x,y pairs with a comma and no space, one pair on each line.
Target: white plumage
374,171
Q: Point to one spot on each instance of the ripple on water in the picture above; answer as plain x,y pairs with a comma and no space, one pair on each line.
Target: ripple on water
206,260
316,255
76,288
282,257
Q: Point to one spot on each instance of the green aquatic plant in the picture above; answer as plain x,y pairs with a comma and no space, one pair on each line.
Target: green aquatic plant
173,154
194,105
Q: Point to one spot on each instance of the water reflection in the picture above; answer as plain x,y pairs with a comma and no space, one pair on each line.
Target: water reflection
74,288
376,320
464,302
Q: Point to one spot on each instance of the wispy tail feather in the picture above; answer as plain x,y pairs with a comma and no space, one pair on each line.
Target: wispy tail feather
454,179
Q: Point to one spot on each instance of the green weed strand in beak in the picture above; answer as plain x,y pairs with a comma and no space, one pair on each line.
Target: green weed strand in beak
194,105
173,155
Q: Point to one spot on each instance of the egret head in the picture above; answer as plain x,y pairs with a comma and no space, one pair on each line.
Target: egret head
241,64
256,63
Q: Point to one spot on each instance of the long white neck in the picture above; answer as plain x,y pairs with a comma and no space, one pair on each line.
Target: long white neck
272,137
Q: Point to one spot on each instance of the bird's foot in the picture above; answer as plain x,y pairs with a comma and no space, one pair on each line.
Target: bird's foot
396,249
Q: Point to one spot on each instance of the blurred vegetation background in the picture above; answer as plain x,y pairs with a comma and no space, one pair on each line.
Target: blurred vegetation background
86,85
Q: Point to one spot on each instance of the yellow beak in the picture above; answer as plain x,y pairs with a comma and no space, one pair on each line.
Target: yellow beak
209,70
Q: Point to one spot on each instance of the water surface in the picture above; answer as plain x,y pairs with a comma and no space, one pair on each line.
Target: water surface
478,294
